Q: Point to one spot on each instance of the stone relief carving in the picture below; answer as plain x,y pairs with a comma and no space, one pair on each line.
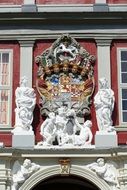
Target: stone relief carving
65,75
104,105
105,171
25,102
123,176
65,129
22,172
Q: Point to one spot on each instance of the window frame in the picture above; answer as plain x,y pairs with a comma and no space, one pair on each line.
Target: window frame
8,87
120,86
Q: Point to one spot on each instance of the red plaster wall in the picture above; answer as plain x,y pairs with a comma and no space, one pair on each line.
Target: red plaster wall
40,46
15,2
114,81
116,1
65,1
6,138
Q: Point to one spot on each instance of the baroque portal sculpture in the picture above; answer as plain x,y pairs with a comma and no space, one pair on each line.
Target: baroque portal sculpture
65,129
65,83
106,171
25,102
104,105
22,172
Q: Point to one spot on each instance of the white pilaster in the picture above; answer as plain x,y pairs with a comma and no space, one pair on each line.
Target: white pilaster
103,57
29,2
100,1
26,60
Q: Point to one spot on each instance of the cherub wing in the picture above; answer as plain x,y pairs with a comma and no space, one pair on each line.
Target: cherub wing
16,167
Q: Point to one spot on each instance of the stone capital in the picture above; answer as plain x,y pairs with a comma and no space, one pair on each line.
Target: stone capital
103,42
27,2
26,43
100,1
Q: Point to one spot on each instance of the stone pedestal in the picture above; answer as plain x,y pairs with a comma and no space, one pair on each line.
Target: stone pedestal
23,140
105,139
1,144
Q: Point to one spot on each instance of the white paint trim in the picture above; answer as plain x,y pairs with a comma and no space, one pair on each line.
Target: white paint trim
51,171
9,87
26,60
103,55
120,85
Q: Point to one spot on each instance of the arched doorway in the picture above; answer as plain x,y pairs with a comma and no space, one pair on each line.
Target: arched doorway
65,182
78,177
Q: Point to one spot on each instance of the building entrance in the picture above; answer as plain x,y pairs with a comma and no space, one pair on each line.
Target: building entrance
64,183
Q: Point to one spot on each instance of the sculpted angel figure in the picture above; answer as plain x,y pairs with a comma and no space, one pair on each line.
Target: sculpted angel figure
105,171
85,135
48,129
104,105
22,172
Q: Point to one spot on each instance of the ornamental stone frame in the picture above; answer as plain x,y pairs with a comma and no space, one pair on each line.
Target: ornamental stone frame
78,171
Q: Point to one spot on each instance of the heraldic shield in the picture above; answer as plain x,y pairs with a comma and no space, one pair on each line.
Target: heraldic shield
65,77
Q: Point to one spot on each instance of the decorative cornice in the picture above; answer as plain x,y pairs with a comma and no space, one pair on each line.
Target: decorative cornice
63,8
65,153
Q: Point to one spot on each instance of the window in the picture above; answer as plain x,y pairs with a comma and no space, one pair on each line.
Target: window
122,67
5,87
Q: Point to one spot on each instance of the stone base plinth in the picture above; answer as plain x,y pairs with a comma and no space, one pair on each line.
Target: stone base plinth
105,139
23,140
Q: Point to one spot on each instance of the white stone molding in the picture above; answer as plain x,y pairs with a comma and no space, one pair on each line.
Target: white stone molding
62,7
5,179
41,175
103,54
26,60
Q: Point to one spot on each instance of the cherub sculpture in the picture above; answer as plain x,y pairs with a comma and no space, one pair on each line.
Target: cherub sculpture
22,172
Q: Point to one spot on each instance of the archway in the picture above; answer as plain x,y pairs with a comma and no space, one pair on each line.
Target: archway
83,176
65,182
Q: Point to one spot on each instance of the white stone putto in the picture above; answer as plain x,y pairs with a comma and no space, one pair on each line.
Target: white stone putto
64,129
104,105
25,102
105,171
22,172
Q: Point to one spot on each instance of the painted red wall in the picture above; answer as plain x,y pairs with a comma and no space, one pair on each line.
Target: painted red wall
6,137
15,2
40,46
19,2
65,1
117,1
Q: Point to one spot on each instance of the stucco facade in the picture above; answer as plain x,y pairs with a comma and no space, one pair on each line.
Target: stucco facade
27,28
